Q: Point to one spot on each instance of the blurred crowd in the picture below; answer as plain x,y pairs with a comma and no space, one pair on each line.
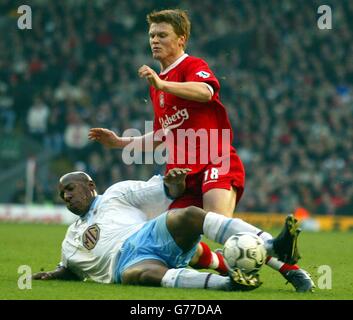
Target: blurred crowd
287,86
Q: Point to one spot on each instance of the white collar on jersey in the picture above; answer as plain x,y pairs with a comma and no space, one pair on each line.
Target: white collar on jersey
89,215
174,64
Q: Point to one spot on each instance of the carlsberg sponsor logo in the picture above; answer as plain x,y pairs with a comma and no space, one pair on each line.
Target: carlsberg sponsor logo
193,146
175,120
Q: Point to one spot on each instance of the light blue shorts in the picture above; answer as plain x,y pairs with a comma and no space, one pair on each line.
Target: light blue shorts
152,242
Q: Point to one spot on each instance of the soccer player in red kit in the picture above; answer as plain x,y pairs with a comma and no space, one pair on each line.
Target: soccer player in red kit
185,97
185,79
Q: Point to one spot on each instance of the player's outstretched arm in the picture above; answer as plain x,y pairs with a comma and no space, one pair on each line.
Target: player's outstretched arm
61,273
174,180
110,139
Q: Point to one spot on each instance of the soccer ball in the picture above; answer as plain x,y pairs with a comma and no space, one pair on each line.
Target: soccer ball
245,251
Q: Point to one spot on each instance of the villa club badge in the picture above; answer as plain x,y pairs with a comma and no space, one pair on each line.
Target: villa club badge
161,100
91,237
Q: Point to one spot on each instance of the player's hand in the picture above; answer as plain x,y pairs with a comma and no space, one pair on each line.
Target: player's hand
176,176
43,276
106,137
151,76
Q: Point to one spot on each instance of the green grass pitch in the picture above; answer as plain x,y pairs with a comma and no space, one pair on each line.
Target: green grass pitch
38,246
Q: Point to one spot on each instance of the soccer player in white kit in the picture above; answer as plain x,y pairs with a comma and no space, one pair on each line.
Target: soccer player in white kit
122,236
91,243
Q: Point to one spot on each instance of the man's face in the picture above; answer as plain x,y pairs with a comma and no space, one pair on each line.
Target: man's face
77,195
164,42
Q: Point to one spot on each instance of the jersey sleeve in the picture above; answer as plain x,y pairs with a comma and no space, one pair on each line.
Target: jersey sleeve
148,196
199,71
63,262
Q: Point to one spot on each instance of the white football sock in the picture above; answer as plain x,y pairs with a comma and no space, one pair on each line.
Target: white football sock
219,228
268,240
189,278
274,263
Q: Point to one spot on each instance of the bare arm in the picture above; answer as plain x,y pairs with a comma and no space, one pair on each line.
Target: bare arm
109,139
174,180
191,90
60,273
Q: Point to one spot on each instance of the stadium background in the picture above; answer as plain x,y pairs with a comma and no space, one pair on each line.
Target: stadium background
287,86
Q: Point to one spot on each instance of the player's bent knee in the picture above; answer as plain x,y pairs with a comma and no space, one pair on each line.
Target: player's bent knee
191,216
186,226
193,210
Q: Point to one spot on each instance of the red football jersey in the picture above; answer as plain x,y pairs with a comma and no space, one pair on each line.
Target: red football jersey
209,136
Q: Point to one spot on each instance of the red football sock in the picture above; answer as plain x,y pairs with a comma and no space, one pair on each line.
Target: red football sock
287,267
211,260
205,258
280,266
222,269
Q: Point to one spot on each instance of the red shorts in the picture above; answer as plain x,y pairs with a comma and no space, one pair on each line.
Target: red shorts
211,177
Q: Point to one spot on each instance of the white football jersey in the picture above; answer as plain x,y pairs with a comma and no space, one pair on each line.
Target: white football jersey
92,242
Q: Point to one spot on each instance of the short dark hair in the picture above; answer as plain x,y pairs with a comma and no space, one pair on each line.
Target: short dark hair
178,18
